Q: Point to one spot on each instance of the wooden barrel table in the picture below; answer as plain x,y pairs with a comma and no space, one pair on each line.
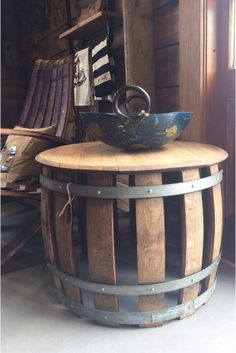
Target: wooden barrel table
171,248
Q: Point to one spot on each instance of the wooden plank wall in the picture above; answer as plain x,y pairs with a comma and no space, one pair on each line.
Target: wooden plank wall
12,83
139,47
166,43
43,41
221,112
192,74
37,25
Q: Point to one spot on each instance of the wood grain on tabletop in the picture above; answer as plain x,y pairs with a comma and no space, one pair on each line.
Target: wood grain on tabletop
97,156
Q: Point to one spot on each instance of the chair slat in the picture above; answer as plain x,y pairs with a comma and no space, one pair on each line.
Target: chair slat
58,96
30,96
66,99
35,106
51,97
39,120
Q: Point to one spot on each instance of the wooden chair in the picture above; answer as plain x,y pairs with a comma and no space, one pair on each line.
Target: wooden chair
48,102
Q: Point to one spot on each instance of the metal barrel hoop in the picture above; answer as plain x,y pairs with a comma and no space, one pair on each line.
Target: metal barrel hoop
139,289
136,318
133,192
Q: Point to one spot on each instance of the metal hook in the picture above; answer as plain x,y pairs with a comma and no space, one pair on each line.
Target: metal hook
142,94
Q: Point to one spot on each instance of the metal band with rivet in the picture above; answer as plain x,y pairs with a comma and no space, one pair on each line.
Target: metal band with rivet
140,289
133,192
137,318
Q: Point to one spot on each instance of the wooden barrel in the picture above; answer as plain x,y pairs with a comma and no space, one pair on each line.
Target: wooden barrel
154,263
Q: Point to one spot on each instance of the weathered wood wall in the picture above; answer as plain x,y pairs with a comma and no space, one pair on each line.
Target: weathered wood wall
39,28
38,24
220,128
166,42
43,40
192,73
12,80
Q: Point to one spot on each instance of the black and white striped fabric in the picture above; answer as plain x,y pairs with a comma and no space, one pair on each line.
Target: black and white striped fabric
103,70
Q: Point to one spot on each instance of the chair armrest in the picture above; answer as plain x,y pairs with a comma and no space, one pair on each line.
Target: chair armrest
55,140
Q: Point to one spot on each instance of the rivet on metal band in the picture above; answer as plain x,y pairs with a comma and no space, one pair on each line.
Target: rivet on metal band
137,318
133,192
140,289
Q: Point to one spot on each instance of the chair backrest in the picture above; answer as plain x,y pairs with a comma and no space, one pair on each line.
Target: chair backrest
49,97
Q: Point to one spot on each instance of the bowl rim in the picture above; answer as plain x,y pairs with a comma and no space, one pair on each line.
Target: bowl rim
159,114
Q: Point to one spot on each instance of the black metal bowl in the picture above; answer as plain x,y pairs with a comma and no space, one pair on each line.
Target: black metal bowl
135,131
144,132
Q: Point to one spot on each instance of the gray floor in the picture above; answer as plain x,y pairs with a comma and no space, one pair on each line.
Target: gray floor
34,322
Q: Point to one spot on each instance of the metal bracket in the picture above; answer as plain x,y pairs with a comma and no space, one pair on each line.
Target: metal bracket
140,289
133,192
136,318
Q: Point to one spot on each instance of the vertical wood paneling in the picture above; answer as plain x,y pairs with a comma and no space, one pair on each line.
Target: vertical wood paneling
167,99
229,167
166,23
192,41
139,48
167,70
220,108
166,44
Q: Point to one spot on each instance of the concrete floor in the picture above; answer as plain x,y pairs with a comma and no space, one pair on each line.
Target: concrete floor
34,322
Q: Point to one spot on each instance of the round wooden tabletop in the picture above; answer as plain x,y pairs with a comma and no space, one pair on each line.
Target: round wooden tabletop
98,157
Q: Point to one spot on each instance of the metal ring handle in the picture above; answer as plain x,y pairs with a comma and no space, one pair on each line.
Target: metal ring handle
142,95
